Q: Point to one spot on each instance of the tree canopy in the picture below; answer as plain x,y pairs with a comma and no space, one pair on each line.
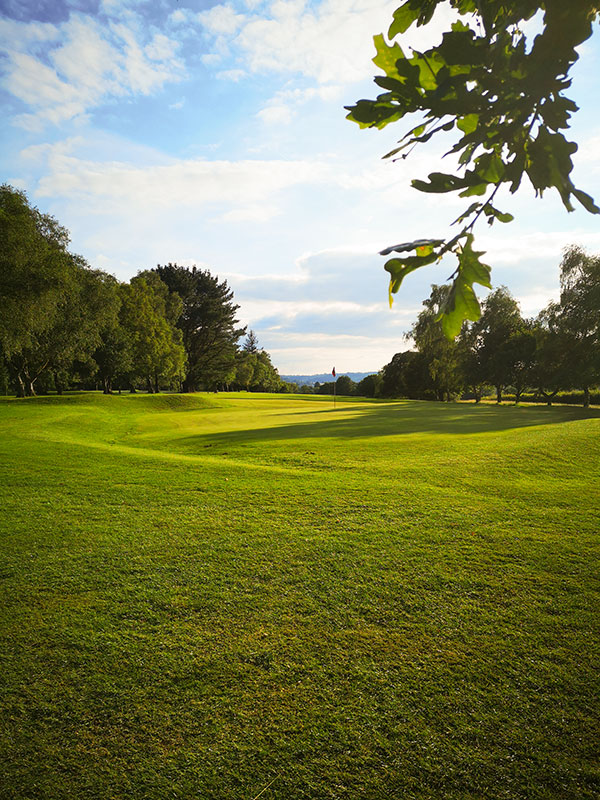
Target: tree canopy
503,97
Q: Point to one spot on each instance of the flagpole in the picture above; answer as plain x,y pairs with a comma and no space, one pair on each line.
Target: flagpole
333,373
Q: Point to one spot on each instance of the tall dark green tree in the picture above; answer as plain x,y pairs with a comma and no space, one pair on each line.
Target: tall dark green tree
208,324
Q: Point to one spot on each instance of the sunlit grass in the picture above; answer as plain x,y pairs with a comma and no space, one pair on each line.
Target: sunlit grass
203,594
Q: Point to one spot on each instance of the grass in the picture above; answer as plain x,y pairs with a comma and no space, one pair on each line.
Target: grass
210,596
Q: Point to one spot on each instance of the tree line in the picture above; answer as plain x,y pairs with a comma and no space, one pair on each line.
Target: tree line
559,350
65,324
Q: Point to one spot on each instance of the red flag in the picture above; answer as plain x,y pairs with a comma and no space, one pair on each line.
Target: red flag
333,372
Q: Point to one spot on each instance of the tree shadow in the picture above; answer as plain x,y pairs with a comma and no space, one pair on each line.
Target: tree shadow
394,419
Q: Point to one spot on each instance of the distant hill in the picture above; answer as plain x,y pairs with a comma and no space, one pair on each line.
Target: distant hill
324,377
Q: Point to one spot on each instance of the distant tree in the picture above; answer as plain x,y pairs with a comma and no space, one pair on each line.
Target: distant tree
551,371
407,375
157,351
251,343
306,388
470,364
345,386
244,370
577,317
208,324
440,353
499,322
113,356
265,377
369,386
521,354
324,388
287,387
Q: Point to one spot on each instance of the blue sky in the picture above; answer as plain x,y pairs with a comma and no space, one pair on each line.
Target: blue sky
214,134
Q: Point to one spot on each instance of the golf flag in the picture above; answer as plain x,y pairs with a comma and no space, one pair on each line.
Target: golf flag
333,372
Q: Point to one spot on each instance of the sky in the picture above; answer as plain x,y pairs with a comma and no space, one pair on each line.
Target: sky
214,134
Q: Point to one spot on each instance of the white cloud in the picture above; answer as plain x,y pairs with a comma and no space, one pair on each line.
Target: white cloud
231,75
85,65
330,42
221,19
276,115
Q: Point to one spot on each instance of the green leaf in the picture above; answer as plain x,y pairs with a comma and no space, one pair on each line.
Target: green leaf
416,244
470,210
369,114
403,18
399,268
468,123
387,55
586,201
462,302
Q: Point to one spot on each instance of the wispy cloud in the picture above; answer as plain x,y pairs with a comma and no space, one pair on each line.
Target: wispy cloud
83,63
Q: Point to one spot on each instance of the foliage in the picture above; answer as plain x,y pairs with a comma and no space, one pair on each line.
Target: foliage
35,270
250,343
344,385
494,336
440,353
208,324
157,349
370,385
407,375
504,99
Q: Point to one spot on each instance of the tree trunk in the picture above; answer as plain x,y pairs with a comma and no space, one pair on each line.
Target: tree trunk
156,386
58,384
21,390
586,396
498,394
518,393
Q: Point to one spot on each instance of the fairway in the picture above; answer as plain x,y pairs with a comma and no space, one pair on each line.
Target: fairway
207,596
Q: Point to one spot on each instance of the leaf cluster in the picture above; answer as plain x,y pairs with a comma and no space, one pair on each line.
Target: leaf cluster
501,96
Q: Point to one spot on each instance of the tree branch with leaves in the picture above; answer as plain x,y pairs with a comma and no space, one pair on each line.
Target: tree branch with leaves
503,97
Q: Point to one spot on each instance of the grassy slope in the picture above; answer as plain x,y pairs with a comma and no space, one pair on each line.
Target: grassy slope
203,594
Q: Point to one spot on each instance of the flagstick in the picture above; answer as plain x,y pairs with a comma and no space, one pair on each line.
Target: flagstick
334,395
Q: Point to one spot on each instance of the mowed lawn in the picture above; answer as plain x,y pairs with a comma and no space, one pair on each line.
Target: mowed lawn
227,596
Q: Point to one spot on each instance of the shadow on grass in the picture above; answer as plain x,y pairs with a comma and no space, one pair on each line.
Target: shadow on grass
396,419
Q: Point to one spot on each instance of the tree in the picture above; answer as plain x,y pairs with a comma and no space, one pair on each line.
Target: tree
503,97
441,355
521,352
370,385
345,386
207,322
493,333
407,375
156,348
551,370
250,343
579,317
53,304
36,270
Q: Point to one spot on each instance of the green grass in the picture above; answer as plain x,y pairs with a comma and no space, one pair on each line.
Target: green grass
203,594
